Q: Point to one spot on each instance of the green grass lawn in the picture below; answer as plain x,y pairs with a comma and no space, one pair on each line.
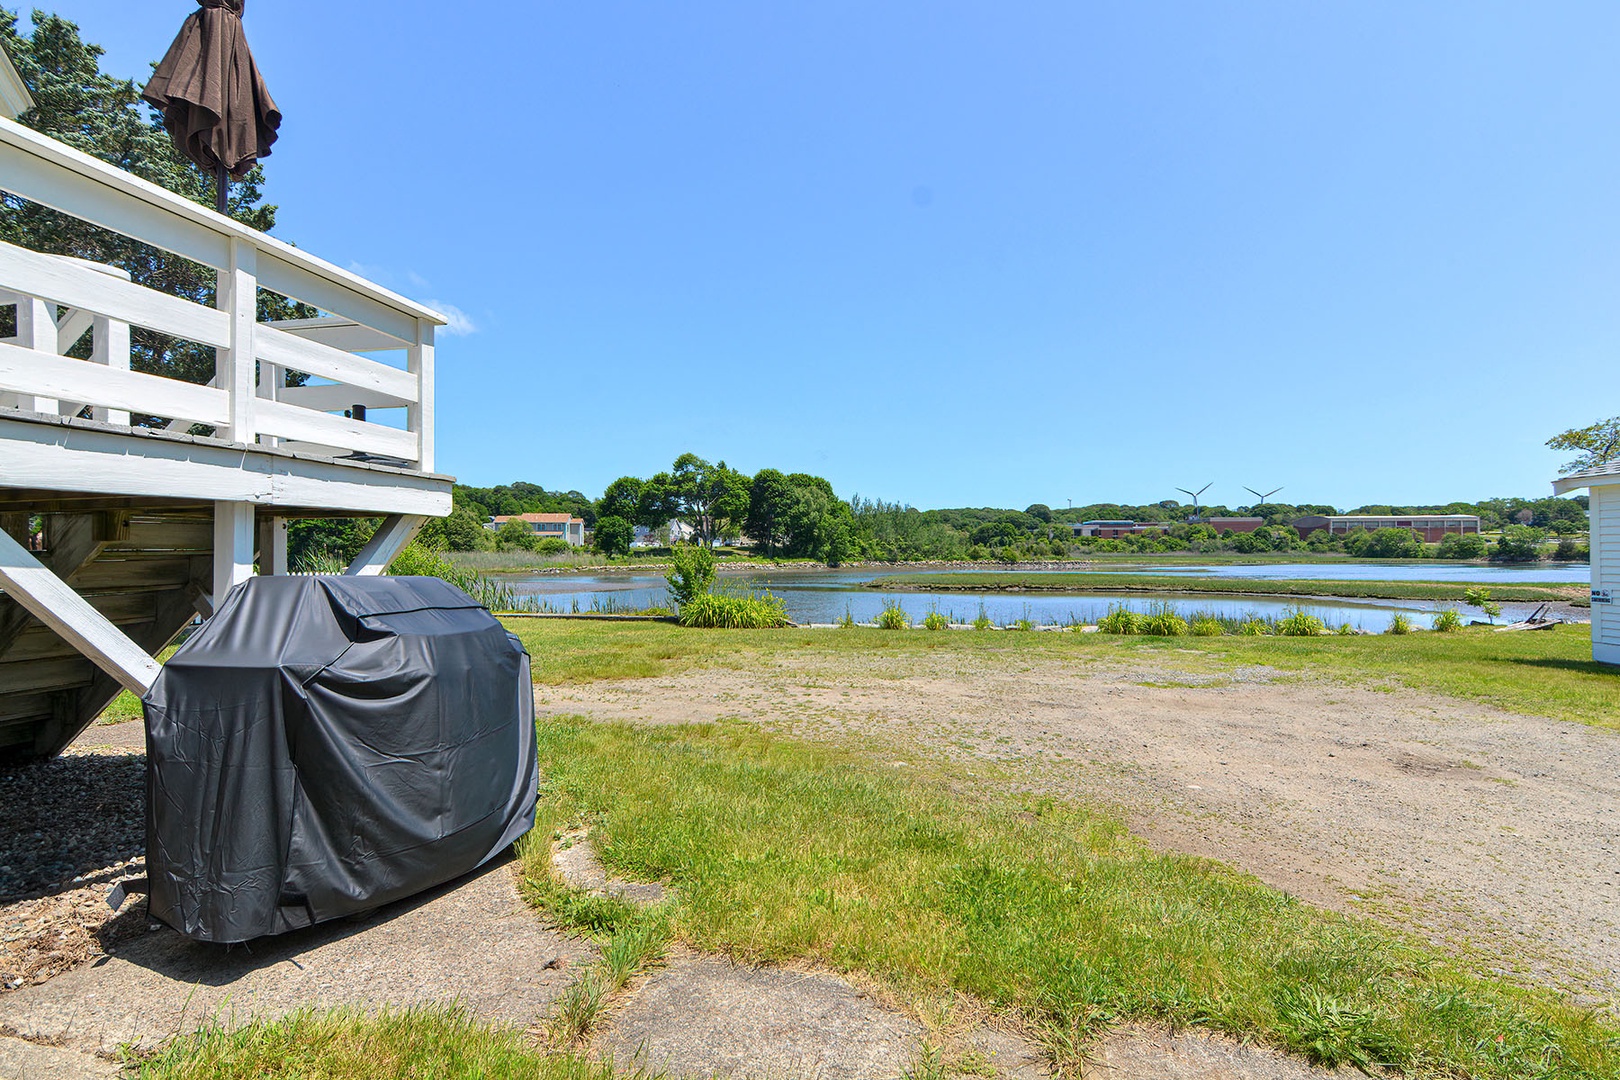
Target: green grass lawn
1057,581
1543,673
937,884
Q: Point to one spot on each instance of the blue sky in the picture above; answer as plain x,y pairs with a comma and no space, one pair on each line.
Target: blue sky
972,254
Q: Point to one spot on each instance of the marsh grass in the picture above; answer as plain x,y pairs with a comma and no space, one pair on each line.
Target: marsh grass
892,617
1183,583
933,883
344,1044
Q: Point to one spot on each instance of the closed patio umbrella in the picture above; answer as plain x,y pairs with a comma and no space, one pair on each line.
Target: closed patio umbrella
212,97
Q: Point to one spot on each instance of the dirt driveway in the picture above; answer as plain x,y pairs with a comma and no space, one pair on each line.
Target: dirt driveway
1471,826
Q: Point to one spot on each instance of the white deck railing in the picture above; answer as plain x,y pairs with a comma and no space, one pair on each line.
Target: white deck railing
58,300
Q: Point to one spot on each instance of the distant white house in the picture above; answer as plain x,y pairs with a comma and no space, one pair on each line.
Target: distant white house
671,532
546,526
1604,513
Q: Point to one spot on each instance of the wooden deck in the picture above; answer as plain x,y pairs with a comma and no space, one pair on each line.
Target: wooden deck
130,501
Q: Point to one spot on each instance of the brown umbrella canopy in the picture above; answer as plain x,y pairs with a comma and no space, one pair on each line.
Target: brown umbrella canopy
211,94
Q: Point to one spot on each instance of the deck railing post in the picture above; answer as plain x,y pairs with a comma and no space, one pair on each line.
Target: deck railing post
110,347
419,416
36,329
237,296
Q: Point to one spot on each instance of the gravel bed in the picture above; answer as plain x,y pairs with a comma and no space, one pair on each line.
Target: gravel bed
77,828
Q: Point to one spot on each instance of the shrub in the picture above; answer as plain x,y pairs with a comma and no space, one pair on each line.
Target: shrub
710,612
1460,546
1300,623
691,572
552,545
1448,621
1120,620
892,617
977,552
1254,627
613,535
936,621
515,533
1346,630
1519,543
1206,626
1392,544
1480,597
1163,621
1400,624
1567,551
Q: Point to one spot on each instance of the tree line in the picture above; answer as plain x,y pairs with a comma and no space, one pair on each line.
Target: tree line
800,515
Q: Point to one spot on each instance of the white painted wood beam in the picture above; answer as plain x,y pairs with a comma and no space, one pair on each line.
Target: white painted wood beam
392,535
62,455
419,418
234,364
233,546
36,333
49,599
273,546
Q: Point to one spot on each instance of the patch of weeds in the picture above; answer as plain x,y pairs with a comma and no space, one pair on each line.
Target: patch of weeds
1120,620
574,1015
929,1064
981,621
1400,624
892,617
1447,622
1300,623
935,620
1330,1033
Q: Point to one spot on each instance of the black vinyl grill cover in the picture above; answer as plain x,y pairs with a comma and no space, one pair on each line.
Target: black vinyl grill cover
324,745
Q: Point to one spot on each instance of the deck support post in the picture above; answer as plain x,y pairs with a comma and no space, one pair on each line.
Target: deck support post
393,534
273,546
50,600
233,546
419,416
36,329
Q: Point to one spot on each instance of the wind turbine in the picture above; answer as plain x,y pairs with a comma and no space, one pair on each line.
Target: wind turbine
1264,497
1195,495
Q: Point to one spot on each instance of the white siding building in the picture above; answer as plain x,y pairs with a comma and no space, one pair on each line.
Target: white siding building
1604,512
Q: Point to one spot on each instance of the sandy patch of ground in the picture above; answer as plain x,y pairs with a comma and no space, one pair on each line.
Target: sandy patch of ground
1476,827
473,941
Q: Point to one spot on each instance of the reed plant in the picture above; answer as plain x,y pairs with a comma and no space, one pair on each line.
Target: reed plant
1120,620
1161,620
1300,623
892,617
1447,621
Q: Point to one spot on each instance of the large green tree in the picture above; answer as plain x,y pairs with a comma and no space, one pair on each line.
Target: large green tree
79,104
710,498
1597,444
770,500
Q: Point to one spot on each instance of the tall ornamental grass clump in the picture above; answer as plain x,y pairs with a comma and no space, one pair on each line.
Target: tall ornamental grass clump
1448,621
1205,626
1162,621
1300,623
1400,624
709,611
892,617
936,620
1120,620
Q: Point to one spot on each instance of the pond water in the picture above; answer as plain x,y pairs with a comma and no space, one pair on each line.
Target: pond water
824,596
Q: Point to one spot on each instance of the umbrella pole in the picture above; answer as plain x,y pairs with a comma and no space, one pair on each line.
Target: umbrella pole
222,188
